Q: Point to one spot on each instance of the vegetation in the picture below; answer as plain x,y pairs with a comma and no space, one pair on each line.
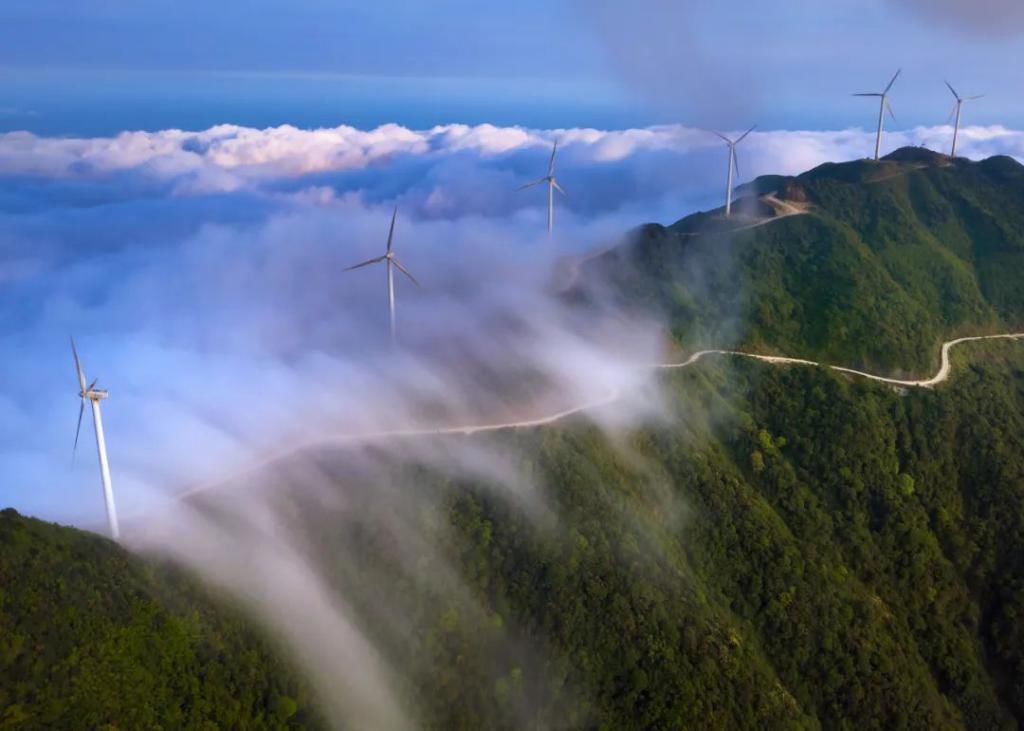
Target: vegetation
94,638
892,258
799,550
792,549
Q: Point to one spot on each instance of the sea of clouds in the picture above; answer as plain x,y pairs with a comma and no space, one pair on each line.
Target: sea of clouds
202,275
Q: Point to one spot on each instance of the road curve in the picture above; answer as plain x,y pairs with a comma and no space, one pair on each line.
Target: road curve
612,396
942,375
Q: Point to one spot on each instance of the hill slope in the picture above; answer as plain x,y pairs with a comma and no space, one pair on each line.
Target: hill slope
850,557
891,258
92,637
794,549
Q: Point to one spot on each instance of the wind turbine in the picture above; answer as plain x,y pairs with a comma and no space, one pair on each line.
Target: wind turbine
883,106
94,396
552,185
392,261
956,111
733,166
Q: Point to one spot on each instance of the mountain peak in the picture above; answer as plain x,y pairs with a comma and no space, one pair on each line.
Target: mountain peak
917,155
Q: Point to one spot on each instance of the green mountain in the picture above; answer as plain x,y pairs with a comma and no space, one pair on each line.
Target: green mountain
92,637
793,549
887,260
797,550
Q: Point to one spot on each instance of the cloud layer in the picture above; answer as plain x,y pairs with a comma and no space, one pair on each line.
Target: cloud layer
204,268
202,275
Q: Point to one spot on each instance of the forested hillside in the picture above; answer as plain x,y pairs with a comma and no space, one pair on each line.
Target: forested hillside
800,550
796,550
92,637
890,259
792,548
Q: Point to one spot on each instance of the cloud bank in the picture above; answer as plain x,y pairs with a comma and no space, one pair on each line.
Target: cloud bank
202,274
190,263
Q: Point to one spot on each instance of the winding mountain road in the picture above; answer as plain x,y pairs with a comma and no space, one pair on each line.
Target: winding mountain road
941,376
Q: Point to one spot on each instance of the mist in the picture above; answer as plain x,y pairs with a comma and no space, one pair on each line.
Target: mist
262,429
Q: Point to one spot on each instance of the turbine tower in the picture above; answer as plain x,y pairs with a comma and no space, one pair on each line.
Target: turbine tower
391,261
956,111
552,185
883,106
733,165
94,396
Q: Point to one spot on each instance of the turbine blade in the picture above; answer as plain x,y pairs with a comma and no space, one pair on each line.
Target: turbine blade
78,430
953,90
719,134
735,162
93,384
78,366
742,136
869,94
888,108
366,263
952,112
893,81
973,98
556,186
391,231
551,162
404,271
538,181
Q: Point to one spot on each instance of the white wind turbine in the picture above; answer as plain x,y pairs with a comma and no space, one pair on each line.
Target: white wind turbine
883,106
733,165
552,185
391,261
956,111
95,395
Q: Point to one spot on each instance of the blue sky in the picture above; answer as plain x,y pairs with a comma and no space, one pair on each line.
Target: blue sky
213,255
97,66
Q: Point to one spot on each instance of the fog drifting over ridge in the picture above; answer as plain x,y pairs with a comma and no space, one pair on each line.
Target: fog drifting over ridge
163,250
202,276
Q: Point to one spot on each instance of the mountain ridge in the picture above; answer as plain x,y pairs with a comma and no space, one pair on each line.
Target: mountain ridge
890,259
790,548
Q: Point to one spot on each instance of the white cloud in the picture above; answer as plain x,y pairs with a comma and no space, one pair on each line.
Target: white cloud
202,273
217,245
229,158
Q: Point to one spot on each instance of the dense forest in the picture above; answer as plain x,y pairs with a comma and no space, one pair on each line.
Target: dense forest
795,549
890,259
92,637
787,547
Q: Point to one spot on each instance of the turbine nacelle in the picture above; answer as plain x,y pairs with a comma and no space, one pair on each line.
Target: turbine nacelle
732,164
955,114
390,260
884,106
94,394
550,181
